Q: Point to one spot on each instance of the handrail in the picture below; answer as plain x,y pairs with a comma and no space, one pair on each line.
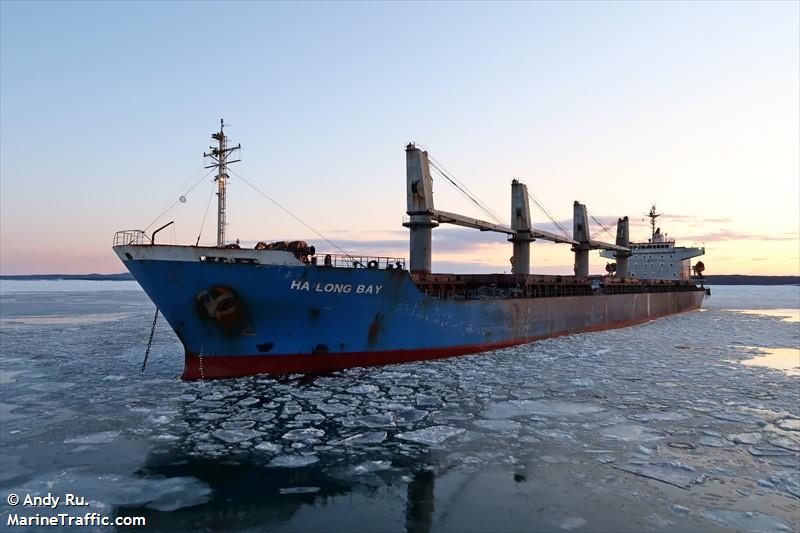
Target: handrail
129,237
356,261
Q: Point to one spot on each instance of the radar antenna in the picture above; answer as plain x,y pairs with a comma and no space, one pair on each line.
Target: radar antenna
653,216
220,160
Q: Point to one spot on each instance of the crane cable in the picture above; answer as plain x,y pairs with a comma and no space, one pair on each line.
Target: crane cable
549,215
603,227
460,187
285,210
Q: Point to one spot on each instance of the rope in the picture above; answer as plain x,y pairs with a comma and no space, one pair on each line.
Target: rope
165,211
150,341
213,186
285,210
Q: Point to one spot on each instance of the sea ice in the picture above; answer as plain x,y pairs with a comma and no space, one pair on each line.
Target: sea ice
498,425
424,400
238,424
309,417
672,472
734,416
557,408
268,447
104,437
431,435
363,389
293,461
785,442
335,408
788,424
261,416
744,438
166,494
375,421
372,466
766,451
370,437
304,434
659,415
234,436
631,432
746,521
211,416
247,402
714,442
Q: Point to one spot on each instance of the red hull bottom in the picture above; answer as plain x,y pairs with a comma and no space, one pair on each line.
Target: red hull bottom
232,366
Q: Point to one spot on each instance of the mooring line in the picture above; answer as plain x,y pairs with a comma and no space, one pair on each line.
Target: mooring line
150,341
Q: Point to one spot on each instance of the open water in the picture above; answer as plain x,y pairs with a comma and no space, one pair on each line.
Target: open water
688,423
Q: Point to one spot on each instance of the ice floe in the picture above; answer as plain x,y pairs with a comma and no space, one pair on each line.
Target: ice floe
431,435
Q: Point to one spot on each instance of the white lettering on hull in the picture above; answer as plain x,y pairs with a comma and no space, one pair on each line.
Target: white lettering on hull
335,288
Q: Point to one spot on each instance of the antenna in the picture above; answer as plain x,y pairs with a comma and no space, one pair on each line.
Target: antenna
220,160
653,216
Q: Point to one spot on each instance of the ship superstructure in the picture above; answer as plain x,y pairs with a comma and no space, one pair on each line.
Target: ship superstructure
282,307
659,258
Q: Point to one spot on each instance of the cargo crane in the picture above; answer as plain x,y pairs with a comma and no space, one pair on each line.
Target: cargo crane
423,217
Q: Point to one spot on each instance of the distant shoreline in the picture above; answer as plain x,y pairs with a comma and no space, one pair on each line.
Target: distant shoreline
720,279
126,276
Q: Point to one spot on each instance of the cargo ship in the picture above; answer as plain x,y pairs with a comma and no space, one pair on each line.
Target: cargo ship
282,307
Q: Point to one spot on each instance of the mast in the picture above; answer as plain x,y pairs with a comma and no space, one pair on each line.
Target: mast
220,160
653,216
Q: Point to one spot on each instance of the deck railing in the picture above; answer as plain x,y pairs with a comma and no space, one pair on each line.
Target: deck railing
359,261
130,237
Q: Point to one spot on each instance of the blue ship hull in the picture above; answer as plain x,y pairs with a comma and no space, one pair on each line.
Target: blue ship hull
239,319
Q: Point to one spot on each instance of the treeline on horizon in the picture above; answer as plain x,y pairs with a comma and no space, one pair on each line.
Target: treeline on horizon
716,279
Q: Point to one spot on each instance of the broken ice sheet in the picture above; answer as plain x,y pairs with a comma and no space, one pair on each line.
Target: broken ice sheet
372,466
370,437
515,408
498,425
293,461
785,442
659,415
305,434
745,520
631,432
166,494
744,438
234,436
269,447
714,442
788,424
104,437
431,435
672,472
734,416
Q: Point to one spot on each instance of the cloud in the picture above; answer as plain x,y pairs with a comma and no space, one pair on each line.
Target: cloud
696,220
731,235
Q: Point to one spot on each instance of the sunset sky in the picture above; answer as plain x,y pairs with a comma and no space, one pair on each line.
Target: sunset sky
107,107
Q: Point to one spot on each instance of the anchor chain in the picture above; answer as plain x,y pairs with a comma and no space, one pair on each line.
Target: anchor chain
150,341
